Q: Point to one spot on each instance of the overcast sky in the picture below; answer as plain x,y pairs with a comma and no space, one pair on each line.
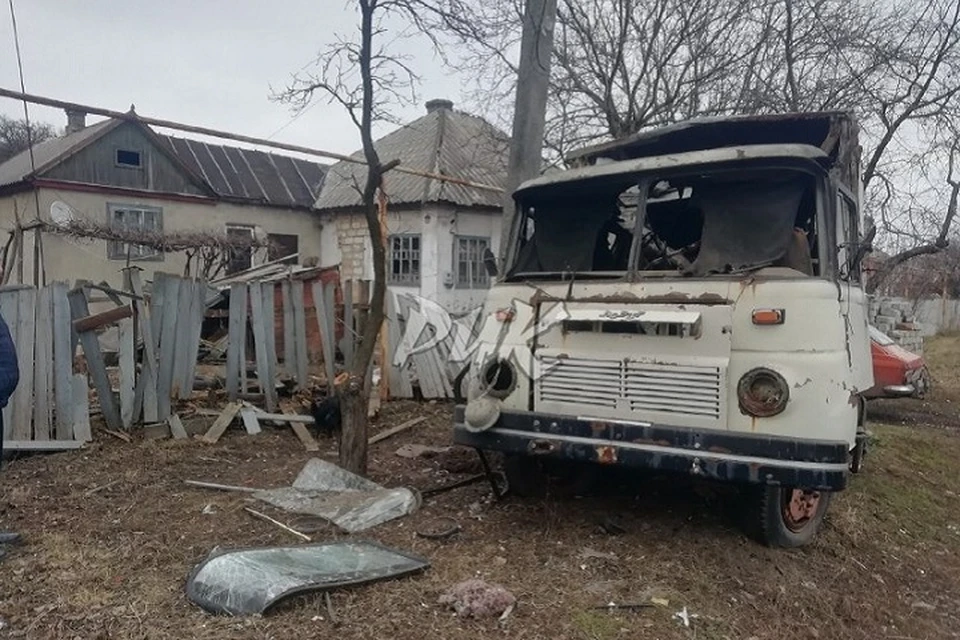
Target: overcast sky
204,62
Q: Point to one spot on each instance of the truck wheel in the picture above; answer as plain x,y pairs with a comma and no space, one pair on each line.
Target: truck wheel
525,476
789,516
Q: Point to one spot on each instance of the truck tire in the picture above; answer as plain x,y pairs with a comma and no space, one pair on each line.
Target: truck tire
790,517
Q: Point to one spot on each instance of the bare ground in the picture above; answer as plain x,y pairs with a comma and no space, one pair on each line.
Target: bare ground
111,533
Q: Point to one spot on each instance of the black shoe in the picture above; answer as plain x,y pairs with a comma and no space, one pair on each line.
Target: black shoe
8,537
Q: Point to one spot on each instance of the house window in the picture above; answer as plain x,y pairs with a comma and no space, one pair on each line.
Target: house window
241,257
128,158
404,259
134,220
471,272
283,246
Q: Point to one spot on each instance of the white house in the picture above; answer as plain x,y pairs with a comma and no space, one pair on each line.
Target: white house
438,231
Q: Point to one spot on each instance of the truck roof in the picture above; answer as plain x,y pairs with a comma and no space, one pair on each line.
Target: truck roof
675,161
823,129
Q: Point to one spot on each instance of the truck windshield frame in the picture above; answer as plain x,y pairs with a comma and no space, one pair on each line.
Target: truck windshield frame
698,221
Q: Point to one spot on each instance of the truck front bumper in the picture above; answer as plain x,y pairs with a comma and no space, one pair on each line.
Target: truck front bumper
734,457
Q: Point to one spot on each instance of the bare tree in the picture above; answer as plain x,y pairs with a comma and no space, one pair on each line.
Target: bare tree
15,136
621,66
367,79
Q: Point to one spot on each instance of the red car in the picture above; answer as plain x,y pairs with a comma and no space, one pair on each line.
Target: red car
897,372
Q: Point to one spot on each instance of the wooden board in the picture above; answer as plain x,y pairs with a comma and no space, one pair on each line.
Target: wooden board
221,423
325,325
176,427
383,435
399,381
23,396
128,372
102,319
269,326
168,345
43,367
147,383
302,433
260,345
289,341
349,338
237,339
95,366
185,304
300,332
81,408
193,337
41,445
249,417
62,362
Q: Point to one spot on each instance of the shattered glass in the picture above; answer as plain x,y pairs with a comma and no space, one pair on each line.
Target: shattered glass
250,581
350,501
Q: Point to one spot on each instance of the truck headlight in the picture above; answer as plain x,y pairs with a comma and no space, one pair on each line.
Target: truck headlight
498,378
762,392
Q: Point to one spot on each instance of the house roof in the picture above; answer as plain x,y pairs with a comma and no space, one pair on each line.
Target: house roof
231,173
443,141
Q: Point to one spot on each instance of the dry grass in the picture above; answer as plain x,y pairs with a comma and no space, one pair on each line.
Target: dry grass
112,563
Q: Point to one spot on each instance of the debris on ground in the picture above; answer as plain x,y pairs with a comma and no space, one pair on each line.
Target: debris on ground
478,599
684,616
349,501
420,451
250,581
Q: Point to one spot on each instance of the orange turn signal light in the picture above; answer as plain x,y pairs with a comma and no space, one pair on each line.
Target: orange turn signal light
768,316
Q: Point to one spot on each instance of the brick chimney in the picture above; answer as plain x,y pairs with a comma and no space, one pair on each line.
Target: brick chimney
439,103
76,120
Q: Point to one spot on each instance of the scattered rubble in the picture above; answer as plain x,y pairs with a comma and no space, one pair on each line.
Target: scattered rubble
478,599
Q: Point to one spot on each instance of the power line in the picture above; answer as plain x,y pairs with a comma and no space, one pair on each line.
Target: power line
130,116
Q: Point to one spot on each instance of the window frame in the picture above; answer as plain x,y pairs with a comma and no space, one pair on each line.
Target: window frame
288,258
848,214
239,226
124,165
399,279
473,282
116,250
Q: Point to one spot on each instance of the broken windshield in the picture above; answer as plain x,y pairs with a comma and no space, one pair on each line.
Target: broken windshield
699,224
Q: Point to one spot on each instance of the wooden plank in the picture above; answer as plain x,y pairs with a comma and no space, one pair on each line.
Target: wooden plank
349,338
41,445
26,337
400,386
269,326
300,332
176,427
81,408
260,345
97,320
325,325
236,339
10,309
289,341
193,337
158,297
249,417
147,382
127,355
309,442
96,366
185,302
43,367
168,345
62,362
162,429
221,423
383,435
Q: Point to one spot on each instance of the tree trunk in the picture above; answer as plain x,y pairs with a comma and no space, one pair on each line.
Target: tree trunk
353,434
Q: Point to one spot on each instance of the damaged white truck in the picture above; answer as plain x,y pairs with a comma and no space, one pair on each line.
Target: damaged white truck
687,300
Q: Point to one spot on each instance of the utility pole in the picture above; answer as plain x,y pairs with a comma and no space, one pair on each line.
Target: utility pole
530,109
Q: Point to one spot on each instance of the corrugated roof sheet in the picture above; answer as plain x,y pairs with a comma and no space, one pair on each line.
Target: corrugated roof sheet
247,174
443,141
231,172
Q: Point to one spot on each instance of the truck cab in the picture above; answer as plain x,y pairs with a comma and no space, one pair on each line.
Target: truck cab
687,300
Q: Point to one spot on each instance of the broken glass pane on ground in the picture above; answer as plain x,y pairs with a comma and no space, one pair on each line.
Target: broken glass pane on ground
349,501
250,581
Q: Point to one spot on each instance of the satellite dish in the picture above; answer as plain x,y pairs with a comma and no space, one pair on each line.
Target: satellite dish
60,212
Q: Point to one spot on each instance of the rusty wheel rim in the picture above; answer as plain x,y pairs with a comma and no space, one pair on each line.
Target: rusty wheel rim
799,506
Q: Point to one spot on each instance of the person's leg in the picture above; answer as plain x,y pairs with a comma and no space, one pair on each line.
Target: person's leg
6,537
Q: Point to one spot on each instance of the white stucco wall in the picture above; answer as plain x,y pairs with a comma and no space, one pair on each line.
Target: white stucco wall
71,259
344,241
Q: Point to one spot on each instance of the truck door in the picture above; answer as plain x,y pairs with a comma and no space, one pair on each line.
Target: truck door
853,299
